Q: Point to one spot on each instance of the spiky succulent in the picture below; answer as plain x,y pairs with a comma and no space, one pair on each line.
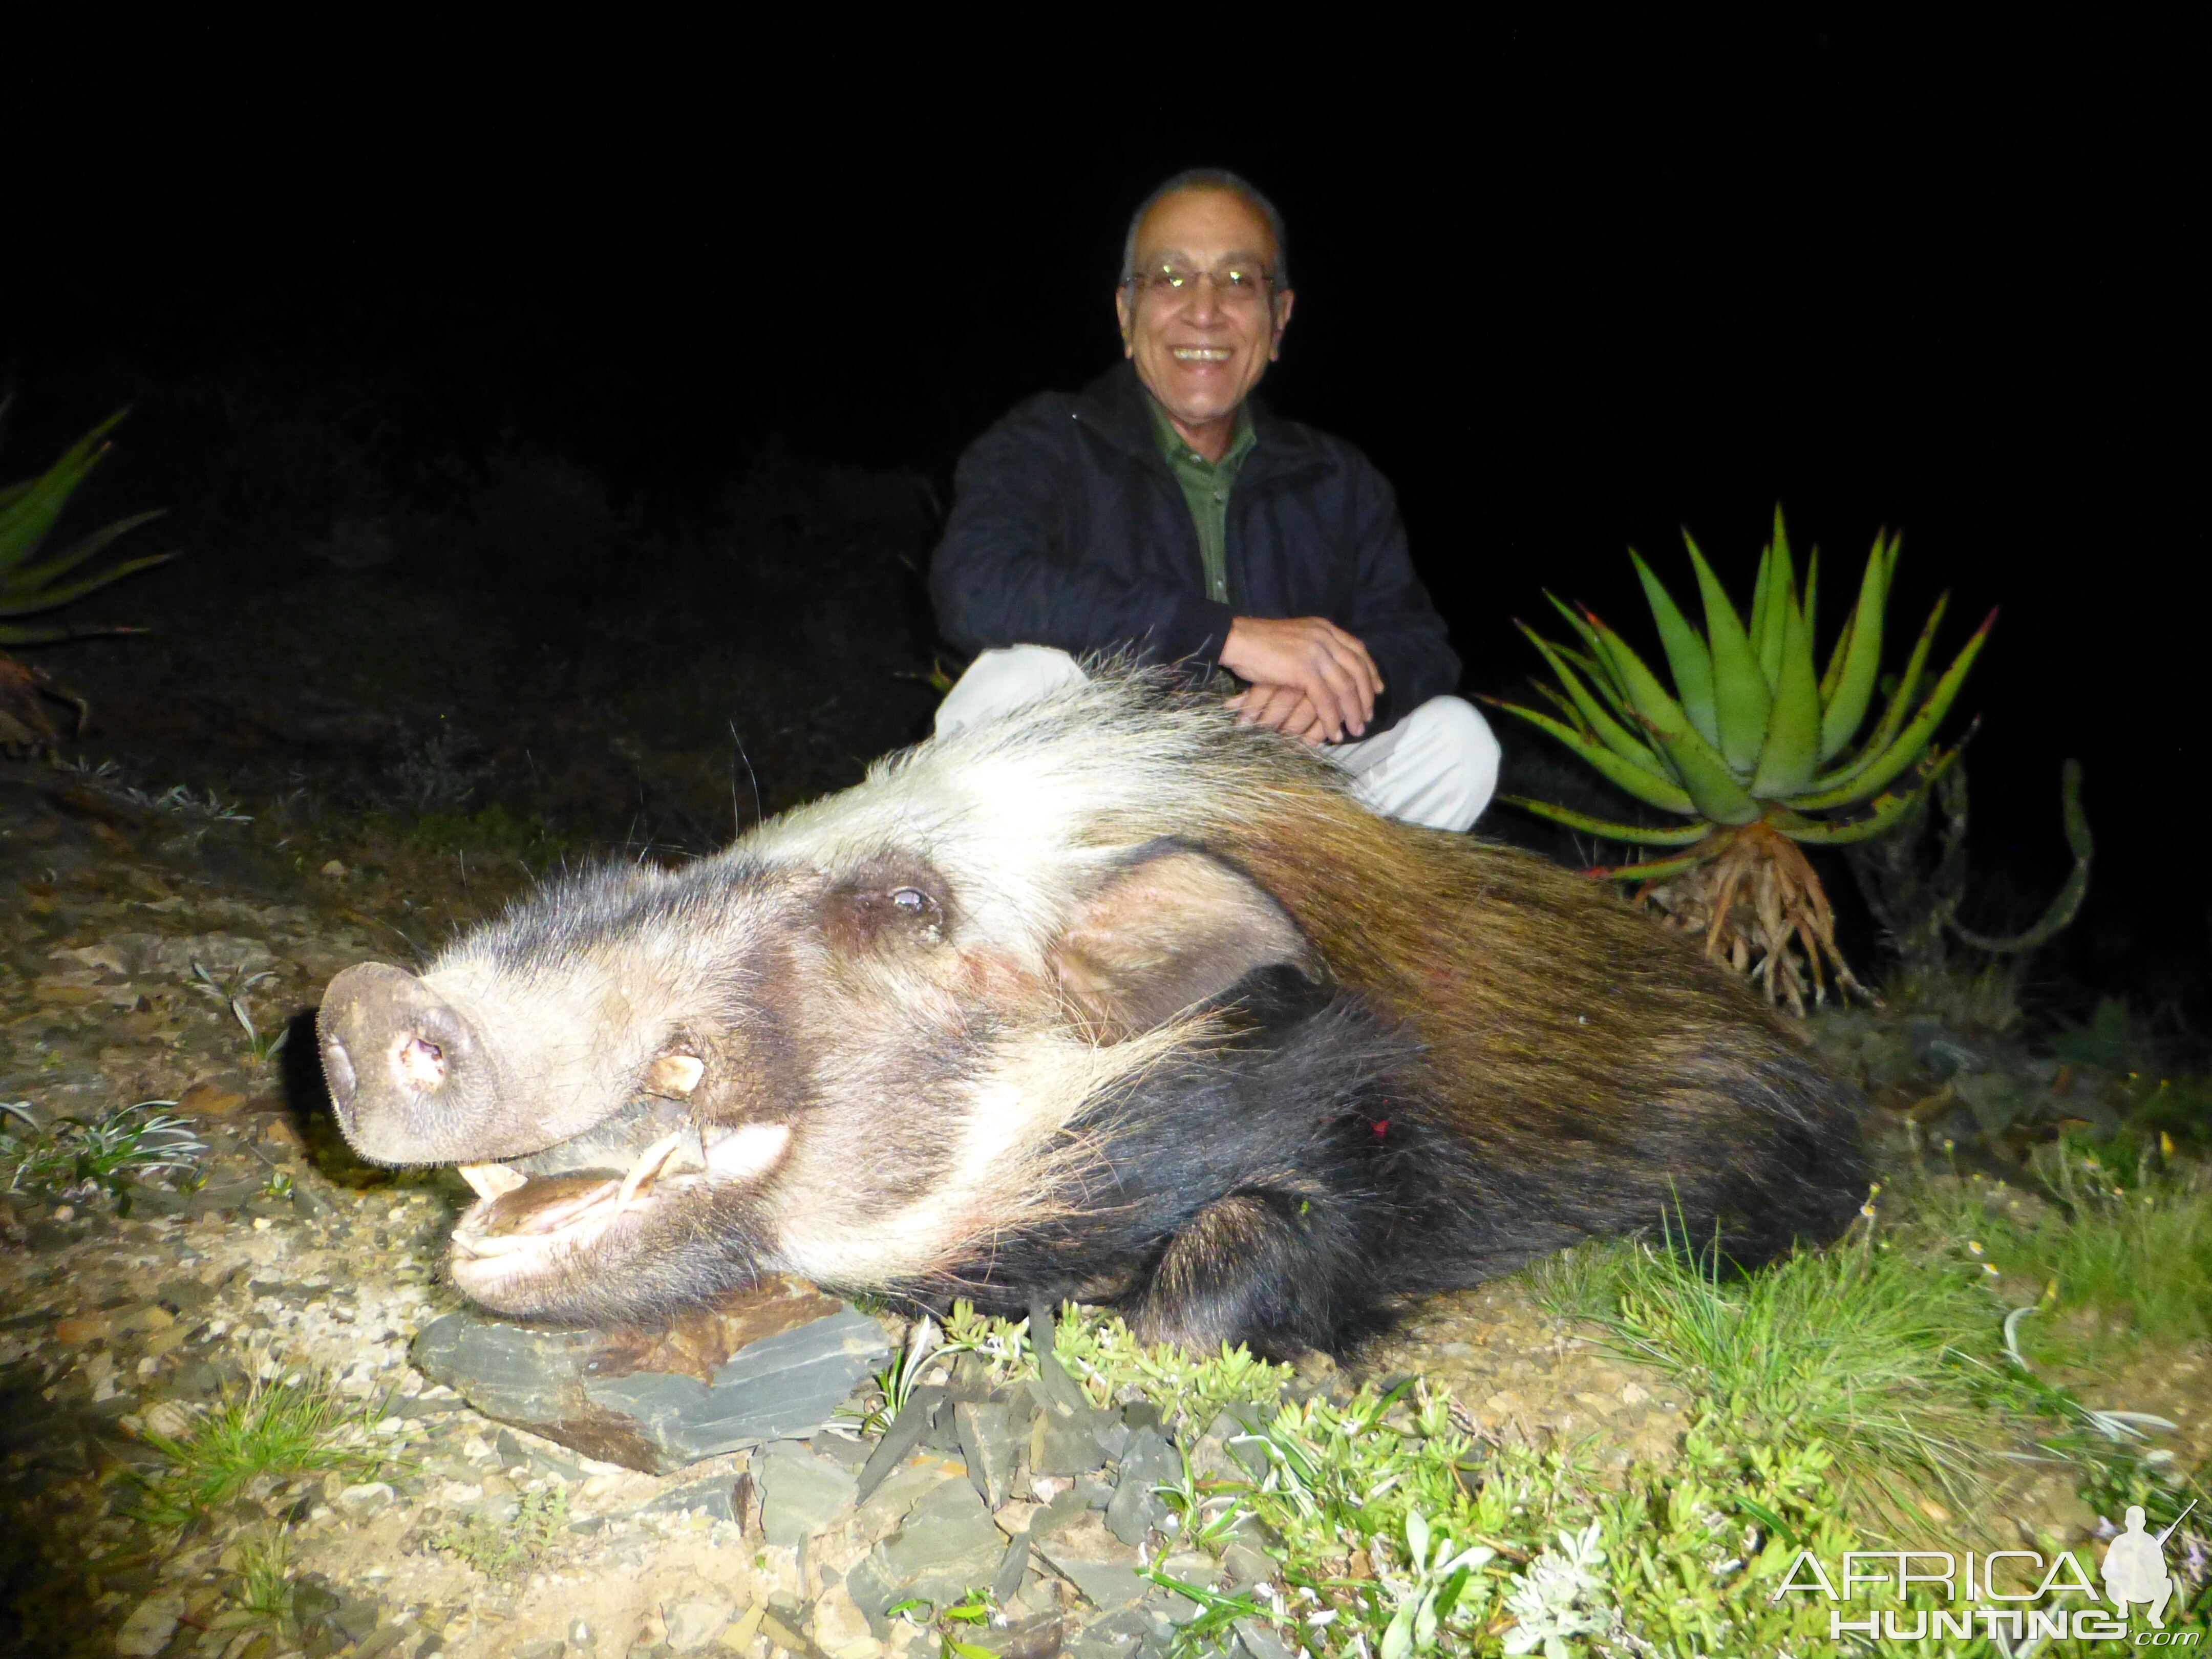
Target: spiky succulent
1752,731
30,585
1755,746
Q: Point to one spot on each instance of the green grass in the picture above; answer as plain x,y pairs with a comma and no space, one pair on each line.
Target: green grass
1877,1352
505,1549
74,1155
2126,1243
1831,1398
494,830
269,1428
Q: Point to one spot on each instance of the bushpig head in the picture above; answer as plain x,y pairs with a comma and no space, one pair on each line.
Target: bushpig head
838,1048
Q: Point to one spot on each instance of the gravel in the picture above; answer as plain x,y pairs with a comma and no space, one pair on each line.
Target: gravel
733,1508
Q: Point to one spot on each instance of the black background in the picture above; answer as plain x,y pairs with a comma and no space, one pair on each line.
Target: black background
1571,289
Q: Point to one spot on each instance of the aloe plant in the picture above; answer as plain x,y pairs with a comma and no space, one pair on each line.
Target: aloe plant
31,585
1756,747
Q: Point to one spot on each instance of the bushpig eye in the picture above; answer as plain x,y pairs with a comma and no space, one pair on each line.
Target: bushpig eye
883,908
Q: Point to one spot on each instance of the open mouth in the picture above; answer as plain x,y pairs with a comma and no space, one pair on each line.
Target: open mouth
533,1212
1201,354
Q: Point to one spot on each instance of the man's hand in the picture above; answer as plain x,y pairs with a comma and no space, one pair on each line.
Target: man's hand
1312,656
1282,709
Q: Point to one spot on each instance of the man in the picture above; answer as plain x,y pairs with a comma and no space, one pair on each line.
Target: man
2134,1569
1164,514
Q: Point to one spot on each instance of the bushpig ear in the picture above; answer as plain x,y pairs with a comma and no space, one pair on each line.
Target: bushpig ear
1171,928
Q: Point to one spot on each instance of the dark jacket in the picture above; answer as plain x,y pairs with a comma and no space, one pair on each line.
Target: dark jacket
1069,528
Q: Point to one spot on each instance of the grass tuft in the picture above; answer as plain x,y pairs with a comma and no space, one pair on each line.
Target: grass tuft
270,1429
75,1157
1879,1354
2130,1246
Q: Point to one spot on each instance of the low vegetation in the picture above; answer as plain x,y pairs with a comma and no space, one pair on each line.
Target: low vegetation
506,1549
269,1430
2123,1247
1878,1354
76,1157
1844,1399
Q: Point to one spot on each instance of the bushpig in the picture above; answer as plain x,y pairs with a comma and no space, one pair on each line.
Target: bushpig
1110,999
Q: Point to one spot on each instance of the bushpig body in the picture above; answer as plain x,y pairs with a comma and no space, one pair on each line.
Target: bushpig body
1110,999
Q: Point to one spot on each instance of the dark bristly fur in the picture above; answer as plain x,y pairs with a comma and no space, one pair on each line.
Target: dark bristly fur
1292,1187
1110,999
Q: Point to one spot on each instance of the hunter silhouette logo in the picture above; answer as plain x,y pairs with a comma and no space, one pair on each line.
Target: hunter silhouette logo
2135,1567
1990,1595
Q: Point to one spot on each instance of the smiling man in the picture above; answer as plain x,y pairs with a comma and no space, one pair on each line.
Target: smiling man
1163,513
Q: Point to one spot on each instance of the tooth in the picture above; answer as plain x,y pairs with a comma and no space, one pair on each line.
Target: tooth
691,1152
648,1166
492,1180
674,1075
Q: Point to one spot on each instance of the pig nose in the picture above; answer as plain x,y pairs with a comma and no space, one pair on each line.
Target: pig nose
387,1037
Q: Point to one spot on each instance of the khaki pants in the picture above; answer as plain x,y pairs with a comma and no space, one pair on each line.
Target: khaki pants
1436,766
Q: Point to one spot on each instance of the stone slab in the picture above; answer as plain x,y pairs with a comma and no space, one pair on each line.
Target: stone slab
801,1494
771,1362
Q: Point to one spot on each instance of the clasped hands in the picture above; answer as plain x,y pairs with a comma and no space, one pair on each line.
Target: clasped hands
1304,676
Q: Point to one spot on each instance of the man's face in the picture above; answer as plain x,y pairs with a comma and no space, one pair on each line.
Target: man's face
1201,351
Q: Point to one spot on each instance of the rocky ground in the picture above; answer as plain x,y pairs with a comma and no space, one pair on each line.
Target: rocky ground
153,952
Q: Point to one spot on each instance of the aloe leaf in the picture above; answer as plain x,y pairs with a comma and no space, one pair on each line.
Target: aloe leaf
1595,673
1855,681
27,518
1810,607
1595,665
54,597
1636,834
1793,729
1893,714
1910,743
1773,618
1740,699
1884,814
1762,593
1687,660
1692,759
1609,732
1834,671
2062,908
10,494
1666,796
1656,870
33,577
1565,704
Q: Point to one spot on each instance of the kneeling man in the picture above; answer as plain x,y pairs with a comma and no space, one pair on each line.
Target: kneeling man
1164,513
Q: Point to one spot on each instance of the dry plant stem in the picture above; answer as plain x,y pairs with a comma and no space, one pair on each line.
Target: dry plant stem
1762,909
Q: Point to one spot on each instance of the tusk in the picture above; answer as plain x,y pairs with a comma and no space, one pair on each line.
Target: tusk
648,1166
492,1180
674,1075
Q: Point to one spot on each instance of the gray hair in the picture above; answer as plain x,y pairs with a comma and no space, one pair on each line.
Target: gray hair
1211,178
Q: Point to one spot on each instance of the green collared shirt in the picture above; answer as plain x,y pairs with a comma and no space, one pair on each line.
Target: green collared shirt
1206,486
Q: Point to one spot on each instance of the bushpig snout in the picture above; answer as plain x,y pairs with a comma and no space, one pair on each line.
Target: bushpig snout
403,1066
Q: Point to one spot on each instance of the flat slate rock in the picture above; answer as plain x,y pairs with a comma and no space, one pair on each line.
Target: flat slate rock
800,1494
947,1544
772,1362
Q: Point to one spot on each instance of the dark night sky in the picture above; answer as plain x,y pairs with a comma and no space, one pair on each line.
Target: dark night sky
1571,290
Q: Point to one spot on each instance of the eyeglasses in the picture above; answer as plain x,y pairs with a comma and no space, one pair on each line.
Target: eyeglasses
1233,284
